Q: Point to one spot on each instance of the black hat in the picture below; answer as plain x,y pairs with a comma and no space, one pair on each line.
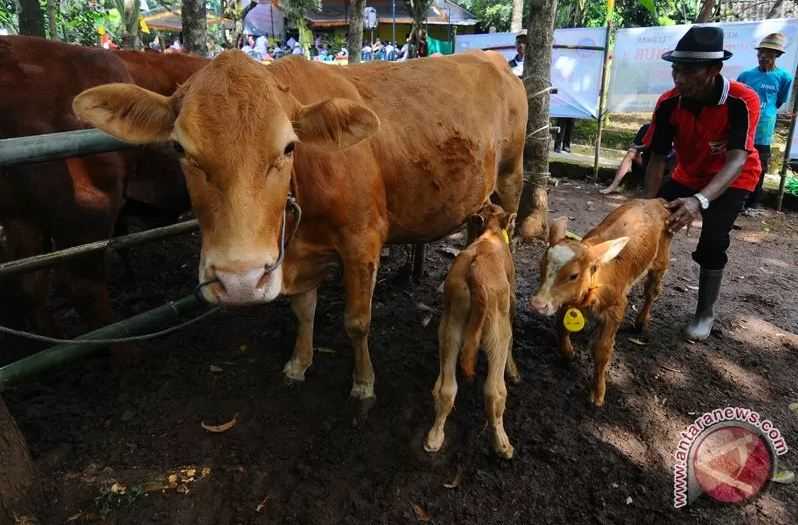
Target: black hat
699,45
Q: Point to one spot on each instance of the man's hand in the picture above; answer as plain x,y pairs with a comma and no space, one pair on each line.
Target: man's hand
683,212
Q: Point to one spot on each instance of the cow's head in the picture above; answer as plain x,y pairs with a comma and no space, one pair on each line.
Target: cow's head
568,268
235,129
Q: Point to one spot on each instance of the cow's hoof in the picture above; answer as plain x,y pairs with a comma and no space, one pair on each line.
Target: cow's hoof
502,446
362,390
434,441
294,372
515,377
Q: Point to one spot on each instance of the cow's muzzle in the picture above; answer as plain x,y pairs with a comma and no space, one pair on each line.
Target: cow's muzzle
252,284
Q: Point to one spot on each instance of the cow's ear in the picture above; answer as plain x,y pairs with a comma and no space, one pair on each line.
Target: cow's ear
557,230
129,113
608,250
335,123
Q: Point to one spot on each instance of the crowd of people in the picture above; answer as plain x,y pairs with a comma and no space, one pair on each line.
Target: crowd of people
264,48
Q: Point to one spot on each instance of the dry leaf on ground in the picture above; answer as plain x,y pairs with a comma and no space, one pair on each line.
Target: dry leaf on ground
421,514
224,427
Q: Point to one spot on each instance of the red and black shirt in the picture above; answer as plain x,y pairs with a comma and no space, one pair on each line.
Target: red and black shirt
701,134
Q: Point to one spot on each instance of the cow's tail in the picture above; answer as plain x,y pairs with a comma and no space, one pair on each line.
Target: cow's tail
476,320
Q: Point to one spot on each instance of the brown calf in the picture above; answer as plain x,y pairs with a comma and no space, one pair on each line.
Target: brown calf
594,275
479,303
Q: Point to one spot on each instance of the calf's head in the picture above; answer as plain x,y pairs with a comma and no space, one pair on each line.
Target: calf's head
490,217
236,129
568,268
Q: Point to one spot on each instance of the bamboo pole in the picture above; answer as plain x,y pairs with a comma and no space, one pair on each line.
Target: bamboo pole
59,355
602,94
53,146
115,243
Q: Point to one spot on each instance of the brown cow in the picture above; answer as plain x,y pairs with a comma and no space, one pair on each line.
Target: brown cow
65,203
443,134
594,275
478,308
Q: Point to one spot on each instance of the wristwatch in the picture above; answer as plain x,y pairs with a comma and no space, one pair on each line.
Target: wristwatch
703,201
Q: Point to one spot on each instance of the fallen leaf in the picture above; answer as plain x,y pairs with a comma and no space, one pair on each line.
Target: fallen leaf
448,250
172,479
691,287
224,427
628,500
426,320
636,341
118,488
262,504
216,369
324,350
206,471
183,489
784,476
154,486
424,307
794,408
573,236
421,514
74,516
615,485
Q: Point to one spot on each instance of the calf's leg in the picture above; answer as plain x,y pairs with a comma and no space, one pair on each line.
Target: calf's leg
652,291
450,338
497,341
602,354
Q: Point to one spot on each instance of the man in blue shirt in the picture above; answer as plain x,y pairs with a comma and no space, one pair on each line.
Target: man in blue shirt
772,84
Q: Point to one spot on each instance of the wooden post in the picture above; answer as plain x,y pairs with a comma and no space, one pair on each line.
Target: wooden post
18,490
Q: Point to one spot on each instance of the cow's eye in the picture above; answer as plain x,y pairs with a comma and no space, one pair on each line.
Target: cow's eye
574,276
289,149
178,148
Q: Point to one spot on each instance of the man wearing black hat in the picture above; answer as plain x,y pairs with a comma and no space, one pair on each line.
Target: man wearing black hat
711,122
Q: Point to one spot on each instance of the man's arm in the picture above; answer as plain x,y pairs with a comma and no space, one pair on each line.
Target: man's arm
654,174
685,210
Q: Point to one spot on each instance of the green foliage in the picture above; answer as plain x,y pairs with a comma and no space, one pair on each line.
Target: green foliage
110,499
491,13
8,15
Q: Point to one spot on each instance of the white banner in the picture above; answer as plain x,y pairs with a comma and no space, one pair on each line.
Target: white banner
639,75
576,73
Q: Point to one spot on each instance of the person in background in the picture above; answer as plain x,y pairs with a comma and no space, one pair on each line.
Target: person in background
636,161
772,84
711,121
390,51
563,140
517,62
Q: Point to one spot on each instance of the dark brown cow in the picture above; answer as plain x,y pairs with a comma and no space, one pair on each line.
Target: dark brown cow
65,203
376,153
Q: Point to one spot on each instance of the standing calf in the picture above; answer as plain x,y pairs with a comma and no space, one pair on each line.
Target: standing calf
479,304
594,275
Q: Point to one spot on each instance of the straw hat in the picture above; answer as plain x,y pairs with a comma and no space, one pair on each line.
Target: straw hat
774,41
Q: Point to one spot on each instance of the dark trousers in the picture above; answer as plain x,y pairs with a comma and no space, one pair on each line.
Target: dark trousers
718,220
563,140
764,159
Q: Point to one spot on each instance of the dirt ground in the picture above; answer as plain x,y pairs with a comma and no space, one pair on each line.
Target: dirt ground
294,456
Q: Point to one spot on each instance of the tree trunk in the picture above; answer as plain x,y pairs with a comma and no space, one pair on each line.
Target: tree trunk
518,14
52,18
537,65
707,10
195,27
18,491
130,23
355,39
31,18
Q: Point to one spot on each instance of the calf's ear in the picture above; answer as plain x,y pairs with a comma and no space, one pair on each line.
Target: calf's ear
608,250
336,122
557,230
129,113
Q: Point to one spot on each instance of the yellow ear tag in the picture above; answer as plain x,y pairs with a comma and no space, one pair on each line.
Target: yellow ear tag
505,237
573,320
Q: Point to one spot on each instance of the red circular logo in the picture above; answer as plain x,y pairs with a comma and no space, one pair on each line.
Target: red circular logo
732,463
